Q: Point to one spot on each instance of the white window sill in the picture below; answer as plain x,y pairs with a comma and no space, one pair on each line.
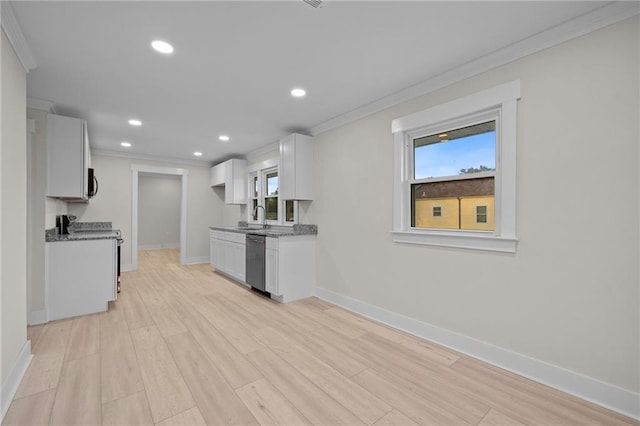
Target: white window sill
464,240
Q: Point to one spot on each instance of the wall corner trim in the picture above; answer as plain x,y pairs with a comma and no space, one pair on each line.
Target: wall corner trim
606,395
16,37
10,385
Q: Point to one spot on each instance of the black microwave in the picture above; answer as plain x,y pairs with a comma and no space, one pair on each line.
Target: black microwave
92,184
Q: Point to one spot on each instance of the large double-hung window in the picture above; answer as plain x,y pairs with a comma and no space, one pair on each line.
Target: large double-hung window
454,181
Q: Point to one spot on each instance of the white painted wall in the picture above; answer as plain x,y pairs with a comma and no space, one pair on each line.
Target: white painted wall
41,217
570,295
159,198
39,205
13,213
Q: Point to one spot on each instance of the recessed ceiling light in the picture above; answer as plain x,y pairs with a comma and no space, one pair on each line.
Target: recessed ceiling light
125,144
197,154
135,122
442,135
224,138
162,47
298,93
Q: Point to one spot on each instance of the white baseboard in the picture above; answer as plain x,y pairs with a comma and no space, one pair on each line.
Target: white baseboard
127,267
37,317
609,396
196,260
10,385
158,246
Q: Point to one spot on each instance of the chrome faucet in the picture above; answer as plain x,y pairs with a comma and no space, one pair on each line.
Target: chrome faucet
264,215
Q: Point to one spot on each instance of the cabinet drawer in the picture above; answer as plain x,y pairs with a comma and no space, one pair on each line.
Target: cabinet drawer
218,235
272,243
236,237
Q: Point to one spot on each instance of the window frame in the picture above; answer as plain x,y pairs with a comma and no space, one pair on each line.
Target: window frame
485,214
260,170
499,101
264,174
286,222
252,190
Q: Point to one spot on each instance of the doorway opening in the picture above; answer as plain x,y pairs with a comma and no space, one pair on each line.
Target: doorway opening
144,170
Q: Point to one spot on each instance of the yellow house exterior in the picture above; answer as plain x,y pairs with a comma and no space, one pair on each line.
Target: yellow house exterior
448,219
471,217
461,204
473,213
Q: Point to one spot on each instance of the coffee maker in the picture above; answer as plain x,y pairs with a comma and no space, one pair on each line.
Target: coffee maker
63,222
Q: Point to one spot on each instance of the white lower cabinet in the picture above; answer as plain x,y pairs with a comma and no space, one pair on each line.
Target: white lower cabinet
290,262
228,253
81,277
216,239
237,259
271,267
290,267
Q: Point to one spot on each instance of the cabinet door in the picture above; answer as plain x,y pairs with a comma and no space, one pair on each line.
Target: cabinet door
218,174
80,276
234,259
271,271
287,182
236,181
213,247
225,257
66,157
242,262
218,255
296,167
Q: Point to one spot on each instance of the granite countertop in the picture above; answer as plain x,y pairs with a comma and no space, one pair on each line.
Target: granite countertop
80,231
271,231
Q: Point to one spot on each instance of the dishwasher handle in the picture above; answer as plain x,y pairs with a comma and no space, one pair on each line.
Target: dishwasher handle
256,239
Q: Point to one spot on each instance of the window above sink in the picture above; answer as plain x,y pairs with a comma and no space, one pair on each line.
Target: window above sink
264,191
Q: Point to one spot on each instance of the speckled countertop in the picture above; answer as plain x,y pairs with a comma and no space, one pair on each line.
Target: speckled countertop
84,231
271,231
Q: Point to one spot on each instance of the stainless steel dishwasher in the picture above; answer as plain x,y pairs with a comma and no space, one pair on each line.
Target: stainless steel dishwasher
255,261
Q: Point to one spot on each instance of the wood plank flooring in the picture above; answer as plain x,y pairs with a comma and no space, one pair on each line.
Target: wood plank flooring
185,346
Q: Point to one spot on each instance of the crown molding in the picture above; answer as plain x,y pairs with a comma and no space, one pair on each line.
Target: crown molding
263,150
146,157
41,104
16,37
579,26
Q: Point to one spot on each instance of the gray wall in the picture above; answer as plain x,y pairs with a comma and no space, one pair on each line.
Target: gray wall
159,198
570,295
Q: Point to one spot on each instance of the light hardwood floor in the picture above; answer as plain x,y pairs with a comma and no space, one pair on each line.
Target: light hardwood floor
185,346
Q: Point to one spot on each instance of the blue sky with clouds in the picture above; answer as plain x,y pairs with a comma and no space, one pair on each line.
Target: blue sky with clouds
447,158
272,185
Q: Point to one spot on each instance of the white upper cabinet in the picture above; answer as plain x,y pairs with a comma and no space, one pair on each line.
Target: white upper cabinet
232,174
219,174
296,167
68,158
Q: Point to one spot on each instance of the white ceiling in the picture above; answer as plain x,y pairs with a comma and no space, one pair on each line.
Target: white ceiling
235,62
